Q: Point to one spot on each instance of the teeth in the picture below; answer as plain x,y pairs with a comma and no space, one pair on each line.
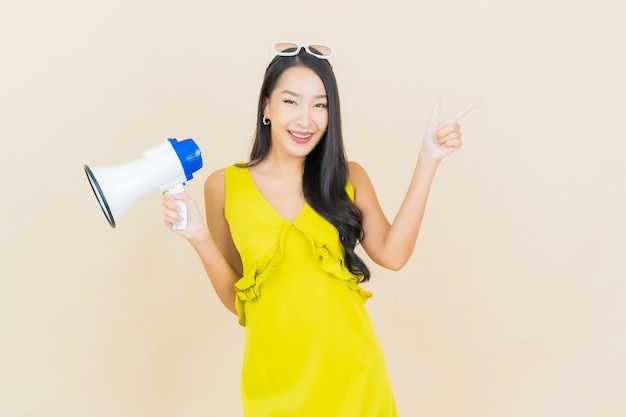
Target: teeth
300,136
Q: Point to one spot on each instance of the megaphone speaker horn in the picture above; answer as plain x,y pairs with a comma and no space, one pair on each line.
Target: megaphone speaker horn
165,167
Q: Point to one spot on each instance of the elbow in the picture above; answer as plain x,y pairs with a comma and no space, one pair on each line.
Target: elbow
392,254
232,309
392,257
229,303
394,264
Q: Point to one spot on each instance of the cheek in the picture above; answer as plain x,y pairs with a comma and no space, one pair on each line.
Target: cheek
322,120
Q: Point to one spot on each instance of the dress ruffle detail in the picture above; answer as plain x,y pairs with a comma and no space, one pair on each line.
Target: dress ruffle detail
247,288
333,263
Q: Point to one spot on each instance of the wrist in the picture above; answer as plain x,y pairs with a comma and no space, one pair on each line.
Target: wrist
200,238
425,157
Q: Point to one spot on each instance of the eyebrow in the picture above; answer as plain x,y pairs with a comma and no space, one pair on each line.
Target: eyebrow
298,95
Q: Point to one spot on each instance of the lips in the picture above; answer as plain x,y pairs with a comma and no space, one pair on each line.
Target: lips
300,137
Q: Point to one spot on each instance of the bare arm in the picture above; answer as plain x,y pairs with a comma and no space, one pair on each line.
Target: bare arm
213,244
391,245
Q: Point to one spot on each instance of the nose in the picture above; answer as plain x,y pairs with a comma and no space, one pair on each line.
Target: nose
304,116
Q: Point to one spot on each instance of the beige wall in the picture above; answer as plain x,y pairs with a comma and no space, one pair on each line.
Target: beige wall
514,303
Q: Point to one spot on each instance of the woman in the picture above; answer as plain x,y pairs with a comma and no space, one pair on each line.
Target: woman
279,245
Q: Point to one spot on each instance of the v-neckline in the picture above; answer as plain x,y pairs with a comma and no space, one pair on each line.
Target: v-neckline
269,204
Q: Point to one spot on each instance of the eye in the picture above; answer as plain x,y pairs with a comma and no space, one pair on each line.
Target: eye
289,101
321,105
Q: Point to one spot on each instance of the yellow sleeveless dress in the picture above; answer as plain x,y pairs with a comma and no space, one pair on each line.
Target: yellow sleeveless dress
310,348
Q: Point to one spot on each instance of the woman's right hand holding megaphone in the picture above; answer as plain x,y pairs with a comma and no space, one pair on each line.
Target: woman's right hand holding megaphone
172,215
216,249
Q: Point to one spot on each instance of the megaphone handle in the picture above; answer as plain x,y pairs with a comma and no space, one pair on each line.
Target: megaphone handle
183,208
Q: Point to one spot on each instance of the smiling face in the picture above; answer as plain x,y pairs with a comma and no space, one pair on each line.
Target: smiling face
298,110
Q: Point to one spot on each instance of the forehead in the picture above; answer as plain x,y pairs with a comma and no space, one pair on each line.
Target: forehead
300,80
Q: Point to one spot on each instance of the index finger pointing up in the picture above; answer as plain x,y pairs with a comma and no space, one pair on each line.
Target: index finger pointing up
468,108
434,116
433,122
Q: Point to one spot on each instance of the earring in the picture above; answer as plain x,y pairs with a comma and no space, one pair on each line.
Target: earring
266,121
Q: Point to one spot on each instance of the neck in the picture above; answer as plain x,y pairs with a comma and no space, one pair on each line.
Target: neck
283,166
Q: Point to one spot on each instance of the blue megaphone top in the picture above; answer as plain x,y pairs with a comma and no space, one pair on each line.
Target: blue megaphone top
189,155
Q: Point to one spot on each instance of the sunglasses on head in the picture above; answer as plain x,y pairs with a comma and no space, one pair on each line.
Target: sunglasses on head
292,48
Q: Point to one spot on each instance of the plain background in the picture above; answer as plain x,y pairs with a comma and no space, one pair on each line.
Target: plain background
514,303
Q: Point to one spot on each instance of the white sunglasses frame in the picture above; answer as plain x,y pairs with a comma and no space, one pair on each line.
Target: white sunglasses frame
306,47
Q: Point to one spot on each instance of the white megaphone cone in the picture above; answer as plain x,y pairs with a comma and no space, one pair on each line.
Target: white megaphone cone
164,167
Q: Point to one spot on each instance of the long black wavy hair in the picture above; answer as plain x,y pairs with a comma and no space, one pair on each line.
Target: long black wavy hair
325,167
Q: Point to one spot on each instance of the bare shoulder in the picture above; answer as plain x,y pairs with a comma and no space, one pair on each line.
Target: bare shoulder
357,175
214,184
364,194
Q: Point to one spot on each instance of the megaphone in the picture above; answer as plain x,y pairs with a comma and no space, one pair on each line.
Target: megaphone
166,167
